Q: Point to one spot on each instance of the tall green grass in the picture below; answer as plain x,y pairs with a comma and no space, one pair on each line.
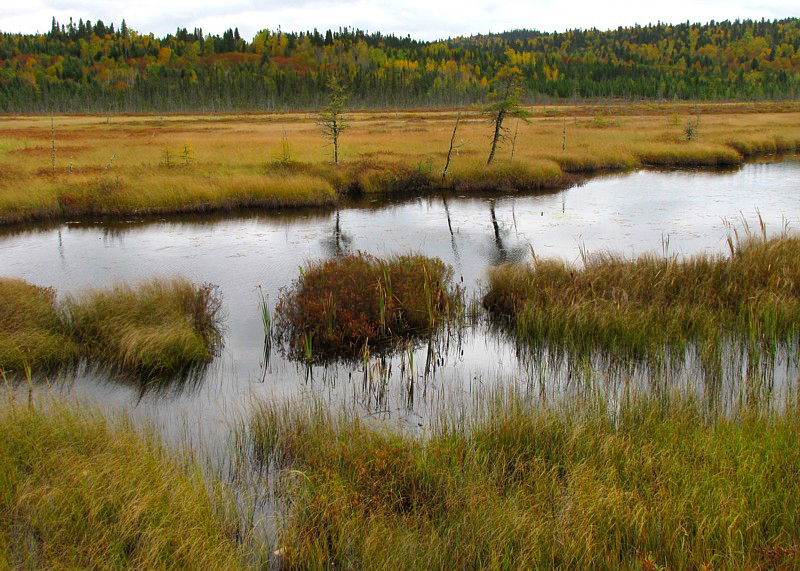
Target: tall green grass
337,307
79,491
32,331
652,306
514,483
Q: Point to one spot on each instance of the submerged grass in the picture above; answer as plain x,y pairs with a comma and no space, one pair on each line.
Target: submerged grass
32,331
518,484
159,328
79,491
646,307
338,307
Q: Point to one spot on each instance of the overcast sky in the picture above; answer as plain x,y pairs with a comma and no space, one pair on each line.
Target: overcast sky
422,19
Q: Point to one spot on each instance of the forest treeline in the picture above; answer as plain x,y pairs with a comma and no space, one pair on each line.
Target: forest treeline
93,67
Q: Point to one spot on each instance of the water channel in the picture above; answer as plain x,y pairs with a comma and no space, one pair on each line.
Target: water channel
664,212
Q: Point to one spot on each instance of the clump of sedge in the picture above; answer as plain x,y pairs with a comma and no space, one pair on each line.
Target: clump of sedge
338,306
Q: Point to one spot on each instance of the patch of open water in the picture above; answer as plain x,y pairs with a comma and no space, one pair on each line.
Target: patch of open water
666,212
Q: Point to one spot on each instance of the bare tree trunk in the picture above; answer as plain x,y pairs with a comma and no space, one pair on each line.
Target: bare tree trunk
53,144
450,151
335,144
498,125
514,141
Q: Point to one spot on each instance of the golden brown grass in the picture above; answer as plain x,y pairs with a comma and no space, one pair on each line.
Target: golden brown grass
157,328
160,327
139,164
518,483
79,491
650,307
32,332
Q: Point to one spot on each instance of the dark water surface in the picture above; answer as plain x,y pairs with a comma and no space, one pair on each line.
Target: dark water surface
676,212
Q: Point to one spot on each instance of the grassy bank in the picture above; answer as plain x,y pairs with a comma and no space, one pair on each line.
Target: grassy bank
342,306
517,484
160,327
505,482
653,306
78,491
128,165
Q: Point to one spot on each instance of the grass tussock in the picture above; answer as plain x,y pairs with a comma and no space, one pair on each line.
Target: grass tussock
381,177
645,306
161,327
586,161
759,145
510,177
80,492
338,306
32,331
524,485
687,155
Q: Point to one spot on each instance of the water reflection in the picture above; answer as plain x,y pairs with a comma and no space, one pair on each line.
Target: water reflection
502,253
338,244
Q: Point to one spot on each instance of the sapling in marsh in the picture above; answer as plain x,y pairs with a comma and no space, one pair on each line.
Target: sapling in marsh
506,96
692,129
52,145
331,119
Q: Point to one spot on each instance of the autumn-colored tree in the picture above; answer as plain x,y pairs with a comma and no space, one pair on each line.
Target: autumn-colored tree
506,97
331,119
96,67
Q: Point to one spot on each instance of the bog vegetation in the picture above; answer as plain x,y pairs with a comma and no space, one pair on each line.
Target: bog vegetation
651,480
92,66
508,481
82,491
342,306
602,477
59,167
655,309
160,327
515,483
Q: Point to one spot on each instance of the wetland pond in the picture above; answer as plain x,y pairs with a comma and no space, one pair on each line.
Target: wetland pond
663,212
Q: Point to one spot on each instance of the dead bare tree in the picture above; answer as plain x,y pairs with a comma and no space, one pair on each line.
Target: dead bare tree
452,146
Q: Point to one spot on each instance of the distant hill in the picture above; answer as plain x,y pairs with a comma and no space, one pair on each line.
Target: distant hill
90,66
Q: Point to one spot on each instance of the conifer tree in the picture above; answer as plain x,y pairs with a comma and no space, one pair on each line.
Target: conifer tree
331,120
506,96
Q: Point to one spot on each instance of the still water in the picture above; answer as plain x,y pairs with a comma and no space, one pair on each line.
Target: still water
667,213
